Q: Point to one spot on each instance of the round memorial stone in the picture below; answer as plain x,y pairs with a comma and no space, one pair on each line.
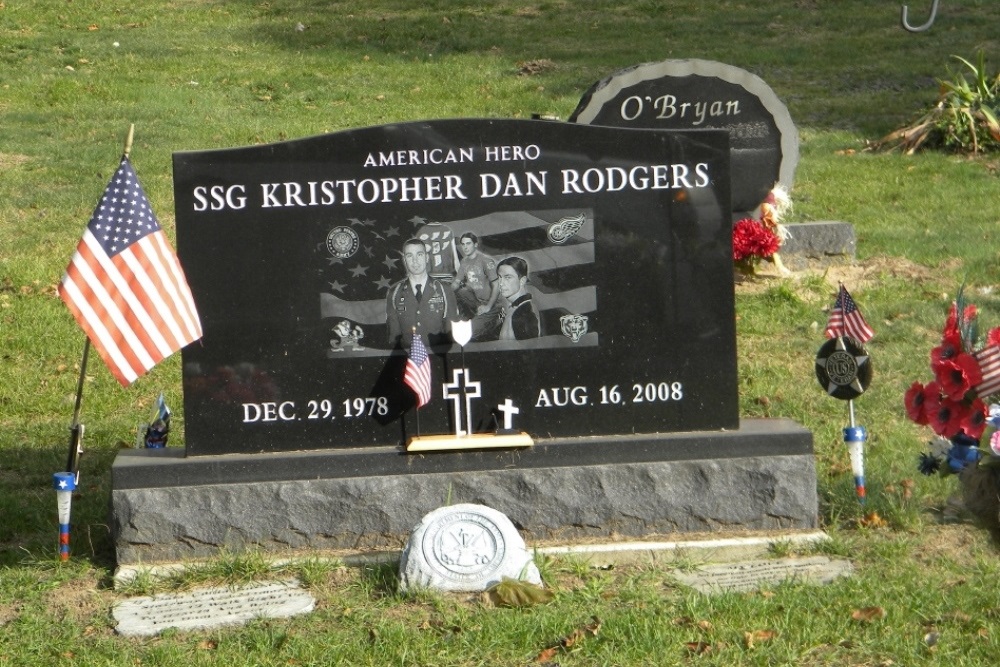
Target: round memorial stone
464,548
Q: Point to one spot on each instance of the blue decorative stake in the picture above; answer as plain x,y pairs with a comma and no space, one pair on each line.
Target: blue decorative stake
854,438
64,484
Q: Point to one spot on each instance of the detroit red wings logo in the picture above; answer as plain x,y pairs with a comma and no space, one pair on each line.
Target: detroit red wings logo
565,228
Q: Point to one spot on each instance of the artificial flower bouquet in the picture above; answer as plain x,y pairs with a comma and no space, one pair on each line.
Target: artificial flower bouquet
954,403
760,238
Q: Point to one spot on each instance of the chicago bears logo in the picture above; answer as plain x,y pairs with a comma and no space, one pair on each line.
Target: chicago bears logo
573,327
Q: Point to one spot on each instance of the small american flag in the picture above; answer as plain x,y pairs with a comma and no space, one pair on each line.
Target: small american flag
125,286
417,375
989,365
846,320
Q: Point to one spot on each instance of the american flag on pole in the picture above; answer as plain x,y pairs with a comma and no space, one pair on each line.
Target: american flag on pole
417,375
125,286
989,365
846,320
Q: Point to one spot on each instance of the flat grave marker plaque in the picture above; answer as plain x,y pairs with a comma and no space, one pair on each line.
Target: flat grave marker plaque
612,255
210,608
753,574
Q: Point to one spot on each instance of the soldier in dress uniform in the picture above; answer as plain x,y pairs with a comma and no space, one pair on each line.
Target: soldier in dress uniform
418,302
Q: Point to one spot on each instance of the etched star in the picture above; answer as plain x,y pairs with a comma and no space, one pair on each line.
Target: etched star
359,271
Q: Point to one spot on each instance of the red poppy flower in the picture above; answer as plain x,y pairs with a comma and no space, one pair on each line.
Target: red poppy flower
993,337
957,375
945,416
916,404
974,420
950,347
951,324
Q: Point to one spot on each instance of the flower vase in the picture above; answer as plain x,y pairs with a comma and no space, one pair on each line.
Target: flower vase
746,266
981,493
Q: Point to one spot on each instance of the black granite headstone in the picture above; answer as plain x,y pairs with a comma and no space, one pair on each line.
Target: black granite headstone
702,94
295,255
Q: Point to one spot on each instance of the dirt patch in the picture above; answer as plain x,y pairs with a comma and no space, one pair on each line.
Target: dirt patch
962,543
8,160
859,275
80,599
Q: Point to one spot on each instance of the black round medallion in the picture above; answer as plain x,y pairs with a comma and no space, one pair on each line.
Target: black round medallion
843,368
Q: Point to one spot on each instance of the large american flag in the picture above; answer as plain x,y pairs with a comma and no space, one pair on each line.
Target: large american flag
125,286
417,375
846,320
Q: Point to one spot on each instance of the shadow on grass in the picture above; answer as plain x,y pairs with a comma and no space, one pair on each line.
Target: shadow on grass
29,529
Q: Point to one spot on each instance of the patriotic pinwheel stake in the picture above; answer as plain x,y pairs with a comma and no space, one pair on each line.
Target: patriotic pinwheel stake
844,370
64,484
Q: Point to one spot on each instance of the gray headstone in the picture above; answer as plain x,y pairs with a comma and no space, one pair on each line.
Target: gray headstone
465,548
751,575
698,95
211,607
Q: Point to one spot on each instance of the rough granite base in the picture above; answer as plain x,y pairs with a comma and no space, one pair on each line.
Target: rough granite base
819,244
761,477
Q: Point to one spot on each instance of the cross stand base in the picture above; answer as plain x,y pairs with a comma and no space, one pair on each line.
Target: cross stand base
441,443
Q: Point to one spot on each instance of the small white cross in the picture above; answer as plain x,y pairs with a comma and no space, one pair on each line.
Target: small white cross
508,410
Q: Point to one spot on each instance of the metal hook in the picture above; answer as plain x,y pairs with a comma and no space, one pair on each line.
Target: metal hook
920,28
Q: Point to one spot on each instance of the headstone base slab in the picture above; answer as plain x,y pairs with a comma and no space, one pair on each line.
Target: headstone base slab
761,477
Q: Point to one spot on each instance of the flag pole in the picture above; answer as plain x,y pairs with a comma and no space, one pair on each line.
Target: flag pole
66,482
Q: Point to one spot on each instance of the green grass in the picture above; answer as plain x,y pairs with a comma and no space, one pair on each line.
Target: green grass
198,74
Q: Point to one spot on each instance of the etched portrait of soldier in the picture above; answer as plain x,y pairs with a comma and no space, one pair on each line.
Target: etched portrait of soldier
418,303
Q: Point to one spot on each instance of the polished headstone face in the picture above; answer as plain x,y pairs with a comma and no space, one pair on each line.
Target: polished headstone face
298,259
702,94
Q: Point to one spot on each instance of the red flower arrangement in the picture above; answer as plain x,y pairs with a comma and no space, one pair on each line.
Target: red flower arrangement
752,241
952,405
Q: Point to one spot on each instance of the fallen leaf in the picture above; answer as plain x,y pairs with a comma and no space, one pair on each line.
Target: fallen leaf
872,520
208,645
570,640
547,654
868,614
698,648
514,593
751,638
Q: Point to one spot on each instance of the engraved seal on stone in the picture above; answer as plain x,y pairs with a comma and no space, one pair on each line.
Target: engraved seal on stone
342,242
465,547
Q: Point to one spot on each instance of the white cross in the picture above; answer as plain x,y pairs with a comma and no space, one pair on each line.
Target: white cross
458,389
508,410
